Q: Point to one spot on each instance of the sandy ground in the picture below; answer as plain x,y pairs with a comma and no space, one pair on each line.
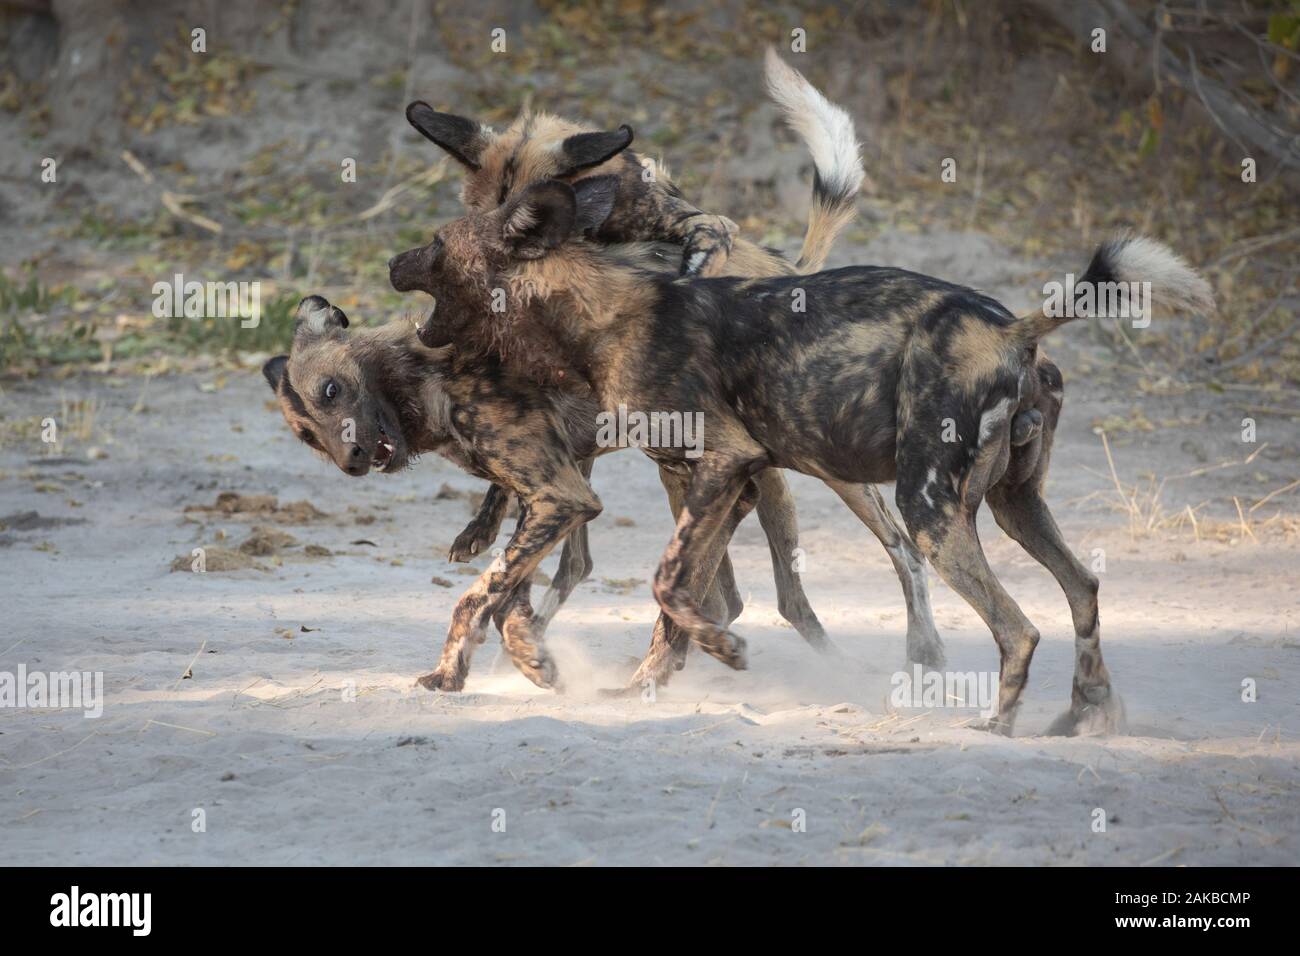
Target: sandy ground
302,739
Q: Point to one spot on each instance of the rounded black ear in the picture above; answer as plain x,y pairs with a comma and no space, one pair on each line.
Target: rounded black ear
315,316
273,371
540,218
584,150
595,197
462,138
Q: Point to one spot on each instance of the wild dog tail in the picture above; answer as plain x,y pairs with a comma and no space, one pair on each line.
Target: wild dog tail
1127,259
828,131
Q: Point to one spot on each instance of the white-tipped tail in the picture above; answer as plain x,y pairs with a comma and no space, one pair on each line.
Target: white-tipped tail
828,131
1174,283
1133,259
825,127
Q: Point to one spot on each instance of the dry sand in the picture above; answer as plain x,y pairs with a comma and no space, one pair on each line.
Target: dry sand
302,737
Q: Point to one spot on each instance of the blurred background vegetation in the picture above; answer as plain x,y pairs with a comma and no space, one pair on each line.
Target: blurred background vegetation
225,165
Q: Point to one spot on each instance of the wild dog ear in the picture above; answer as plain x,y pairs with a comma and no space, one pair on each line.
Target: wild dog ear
540,218
595,197
462,138
315,316
584,150
274,369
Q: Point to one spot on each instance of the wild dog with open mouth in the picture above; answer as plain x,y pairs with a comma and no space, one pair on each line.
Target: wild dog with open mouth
377,398
861,387
329,380
649,207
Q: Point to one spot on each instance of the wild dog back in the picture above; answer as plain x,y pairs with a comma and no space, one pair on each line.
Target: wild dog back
811,365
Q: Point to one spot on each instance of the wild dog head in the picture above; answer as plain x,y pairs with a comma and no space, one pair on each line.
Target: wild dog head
480,270
332,398
535,146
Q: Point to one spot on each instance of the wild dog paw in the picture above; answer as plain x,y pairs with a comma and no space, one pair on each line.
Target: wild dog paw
441,680
469,543
537,665
994,725
1104,718
727,647
542,672
928,652
709,245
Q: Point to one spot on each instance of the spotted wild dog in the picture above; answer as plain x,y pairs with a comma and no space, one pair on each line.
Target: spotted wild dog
649,207
858,390
376,399
330,379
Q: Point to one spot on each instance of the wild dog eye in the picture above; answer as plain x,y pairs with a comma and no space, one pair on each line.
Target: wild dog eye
330,391
307,436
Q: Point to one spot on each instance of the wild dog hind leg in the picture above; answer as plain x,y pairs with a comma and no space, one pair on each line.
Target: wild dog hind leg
1019,509
923,643
939,490
551,512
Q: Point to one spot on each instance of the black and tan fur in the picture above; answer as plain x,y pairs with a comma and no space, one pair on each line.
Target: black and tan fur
379,398
857,389
649,207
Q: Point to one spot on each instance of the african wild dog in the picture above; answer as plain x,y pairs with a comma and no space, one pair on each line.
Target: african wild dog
378,398
403,395
857,390
649,207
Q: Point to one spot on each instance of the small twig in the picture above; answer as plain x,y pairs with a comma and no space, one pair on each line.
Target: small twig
57,753
163,723
1273,494
1254,244
172,202
427,178
1242,519
1163,856
189,670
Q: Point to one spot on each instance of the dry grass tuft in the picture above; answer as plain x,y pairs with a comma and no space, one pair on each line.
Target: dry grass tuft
1149,514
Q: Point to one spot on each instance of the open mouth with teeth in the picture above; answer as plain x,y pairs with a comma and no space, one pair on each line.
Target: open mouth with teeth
383,452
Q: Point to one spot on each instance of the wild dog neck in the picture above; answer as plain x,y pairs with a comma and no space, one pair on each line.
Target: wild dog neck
575,299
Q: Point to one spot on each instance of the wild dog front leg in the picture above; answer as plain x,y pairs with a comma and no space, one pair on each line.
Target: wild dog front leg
575,567
721,599
716,483
483,528
519,604
706,239
708,244
669,642
545,521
